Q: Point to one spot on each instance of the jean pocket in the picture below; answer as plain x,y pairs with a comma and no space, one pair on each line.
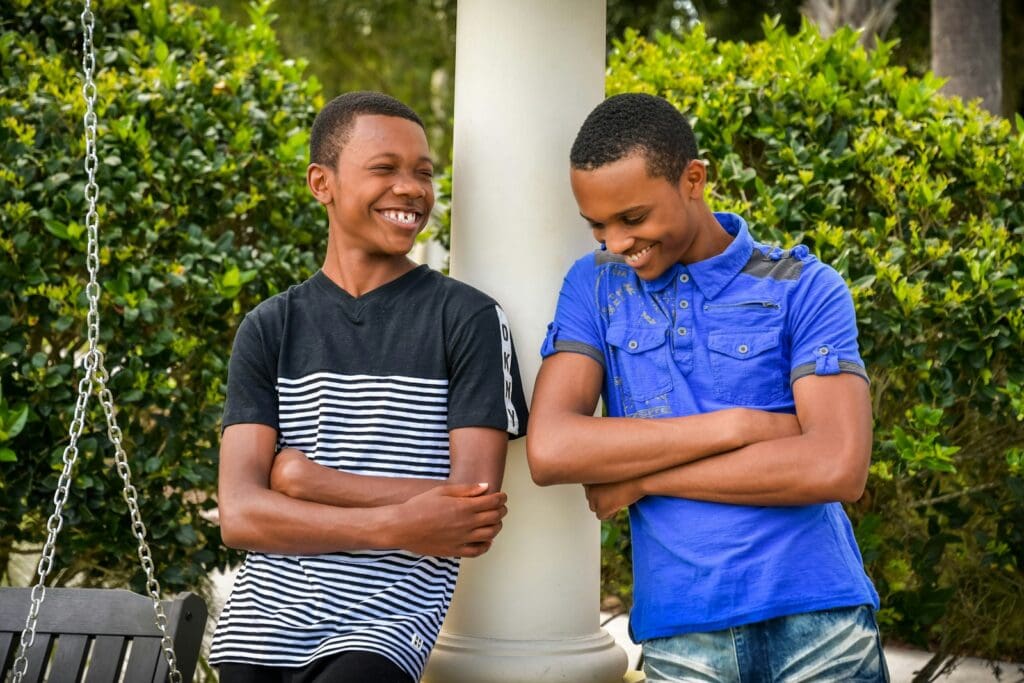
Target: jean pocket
747,366
641,355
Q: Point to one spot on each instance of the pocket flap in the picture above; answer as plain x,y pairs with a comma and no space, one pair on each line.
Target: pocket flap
743,344
635,339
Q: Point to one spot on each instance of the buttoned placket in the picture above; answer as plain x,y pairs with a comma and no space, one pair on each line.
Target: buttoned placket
678,299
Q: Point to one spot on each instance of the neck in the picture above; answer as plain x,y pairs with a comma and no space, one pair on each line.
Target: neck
358,273
711,238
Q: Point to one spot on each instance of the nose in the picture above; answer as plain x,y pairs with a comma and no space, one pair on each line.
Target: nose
617,241
409,186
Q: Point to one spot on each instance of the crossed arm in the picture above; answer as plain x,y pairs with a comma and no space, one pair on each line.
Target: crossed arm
739,456
292,505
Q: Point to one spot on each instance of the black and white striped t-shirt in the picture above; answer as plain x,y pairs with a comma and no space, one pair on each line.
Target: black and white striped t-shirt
369,385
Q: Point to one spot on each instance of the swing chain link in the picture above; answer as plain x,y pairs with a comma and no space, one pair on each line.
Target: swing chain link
95,376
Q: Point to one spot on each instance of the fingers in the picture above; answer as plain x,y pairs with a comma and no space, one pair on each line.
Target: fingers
492,501
462,490
473,549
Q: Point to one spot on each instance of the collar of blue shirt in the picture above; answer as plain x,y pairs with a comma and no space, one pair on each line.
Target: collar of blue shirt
713,274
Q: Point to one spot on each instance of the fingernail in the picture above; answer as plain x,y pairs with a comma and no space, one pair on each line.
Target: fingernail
482,483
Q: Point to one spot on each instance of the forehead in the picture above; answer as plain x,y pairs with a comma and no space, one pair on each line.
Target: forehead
614,187
373,135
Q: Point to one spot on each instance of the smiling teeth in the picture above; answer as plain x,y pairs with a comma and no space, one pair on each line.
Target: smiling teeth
633,258
401,216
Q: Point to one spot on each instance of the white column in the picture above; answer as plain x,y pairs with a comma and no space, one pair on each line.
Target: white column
527,73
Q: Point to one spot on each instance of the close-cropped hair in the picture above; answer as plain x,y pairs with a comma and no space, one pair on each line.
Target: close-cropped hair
631,123
333,125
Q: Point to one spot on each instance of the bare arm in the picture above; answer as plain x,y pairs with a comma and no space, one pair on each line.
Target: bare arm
827,462
453,520
567,444
477,456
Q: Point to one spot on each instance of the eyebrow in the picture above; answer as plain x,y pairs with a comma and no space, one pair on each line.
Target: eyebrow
620,214
396,155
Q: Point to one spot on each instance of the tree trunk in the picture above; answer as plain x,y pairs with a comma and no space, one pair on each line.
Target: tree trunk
966,49
871,17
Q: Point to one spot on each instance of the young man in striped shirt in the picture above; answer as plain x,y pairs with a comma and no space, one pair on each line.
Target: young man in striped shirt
365,428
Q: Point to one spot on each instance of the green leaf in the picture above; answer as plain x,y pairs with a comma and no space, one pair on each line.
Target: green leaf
7,455
15,421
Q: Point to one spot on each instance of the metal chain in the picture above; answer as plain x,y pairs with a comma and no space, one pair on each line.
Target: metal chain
95,376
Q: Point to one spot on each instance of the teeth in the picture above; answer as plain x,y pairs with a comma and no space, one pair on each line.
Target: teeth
633,258
406,217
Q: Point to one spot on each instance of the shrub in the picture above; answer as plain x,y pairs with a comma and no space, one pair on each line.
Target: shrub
203,212
917,200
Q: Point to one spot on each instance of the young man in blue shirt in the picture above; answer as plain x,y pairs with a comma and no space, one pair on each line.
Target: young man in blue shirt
738,416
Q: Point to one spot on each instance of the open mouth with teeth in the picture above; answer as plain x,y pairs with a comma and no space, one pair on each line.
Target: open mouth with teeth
637,257
404,219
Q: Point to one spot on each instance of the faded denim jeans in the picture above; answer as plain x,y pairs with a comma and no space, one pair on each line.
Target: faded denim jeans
832,645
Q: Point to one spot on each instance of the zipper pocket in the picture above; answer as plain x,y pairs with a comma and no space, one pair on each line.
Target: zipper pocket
743,304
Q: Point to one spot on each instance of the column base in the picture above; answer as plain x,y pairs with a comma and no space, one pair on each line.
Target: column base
466,659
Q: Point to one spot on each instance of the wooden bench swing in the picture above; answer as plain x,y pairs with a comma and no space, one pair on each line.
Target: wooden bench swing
86,634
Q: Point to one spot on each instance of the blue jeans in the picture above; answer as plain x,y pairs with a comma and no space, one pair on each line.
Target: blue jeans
832,645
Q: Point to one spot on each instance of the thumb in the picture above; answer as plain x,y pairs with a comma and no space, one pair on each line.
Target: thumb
464,490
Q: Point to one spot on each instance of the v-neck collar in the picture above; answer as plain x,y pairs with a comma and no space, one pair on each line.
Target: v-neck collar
355,307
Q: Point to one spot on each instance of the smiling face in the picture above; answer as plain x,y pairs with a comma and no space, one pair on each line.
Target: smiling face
380,192
649,220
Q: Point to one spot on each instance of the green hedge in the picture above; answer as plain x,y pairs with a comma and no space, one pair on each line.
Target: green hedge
203,212
917,200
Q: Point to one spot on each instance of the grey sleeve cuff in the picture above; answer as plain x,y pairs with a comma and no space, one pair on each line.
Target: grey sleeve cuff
844,366
585,349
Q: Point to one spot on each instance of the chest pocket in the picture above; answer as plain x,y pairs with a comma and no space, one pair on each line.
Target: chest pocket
641,359
747,366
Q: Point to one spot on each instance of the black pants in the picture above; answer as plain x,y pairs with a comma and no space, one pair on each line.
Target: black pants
345,667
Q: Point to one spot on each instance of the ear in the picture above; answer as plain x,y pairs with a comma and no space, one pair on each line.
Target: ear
318,180
693,179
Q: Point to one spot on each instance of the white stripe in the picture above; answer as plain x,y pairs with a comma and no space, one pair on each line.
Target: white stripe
506,369
372,379
289,610
333,391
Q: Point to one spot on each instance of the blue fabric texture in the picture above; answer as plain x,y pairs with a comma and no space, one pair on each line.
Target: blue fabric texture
733,330
775,651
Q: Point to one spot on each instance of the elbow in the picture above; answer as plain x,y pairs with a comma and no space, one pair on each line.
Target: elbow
230,533
234,530
284,477
849,476
542,457
848,489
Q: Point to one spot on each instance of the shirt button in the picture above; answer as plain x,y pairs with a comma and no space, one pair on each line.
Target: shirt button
632,344
684,278
684,304
681,331
742,348
823,350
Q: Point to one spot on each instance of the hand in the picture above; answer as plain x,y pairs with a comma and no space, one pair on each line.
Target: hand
607,499
455,520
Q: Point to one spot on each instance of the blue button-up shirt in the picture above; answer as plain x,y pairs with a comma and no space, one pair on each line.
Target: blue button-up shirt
733,330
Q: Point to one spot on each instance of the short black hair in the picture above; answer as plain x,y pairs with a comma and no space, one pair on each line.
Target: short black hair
332,126
632,123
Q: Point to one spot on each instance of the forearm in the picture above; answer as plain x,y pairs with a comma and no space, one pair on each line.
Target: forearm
801,470
477,455
574,448
263,520
296,476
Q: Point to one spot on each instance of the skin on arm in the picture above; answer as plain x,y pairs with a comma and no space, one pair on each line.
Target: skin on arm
567,444
477,456
828,461
450,520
